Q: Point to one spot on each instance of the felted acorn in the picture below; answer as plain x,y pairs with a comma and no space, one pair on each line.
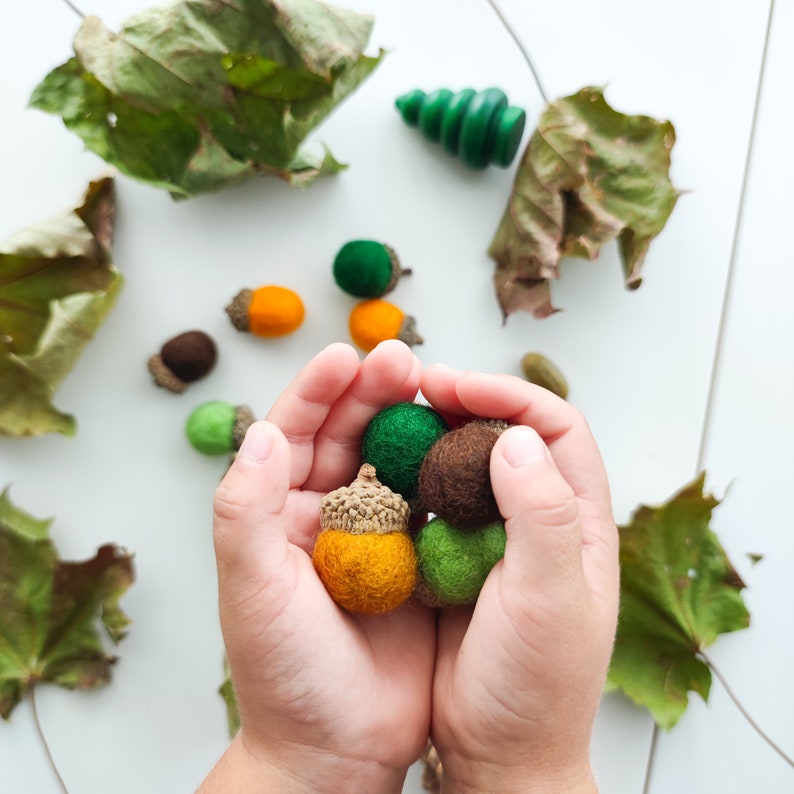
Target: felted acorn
218,427
183,359
454,562
363,554
367,268
479,127
396,441
455,478
374,321
267,311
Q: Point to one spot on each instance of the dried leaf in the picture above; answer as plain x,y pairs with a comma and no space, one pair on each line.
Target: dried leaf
57,284
679,592
588,175
51,611
198,94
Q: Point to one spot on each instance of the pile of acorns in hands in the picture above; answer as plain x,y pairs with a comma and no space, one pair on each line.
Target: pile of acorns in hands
420,520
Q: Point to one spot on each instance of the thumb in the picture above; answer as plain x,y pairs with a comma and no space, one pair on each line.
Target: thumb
249,533
544,542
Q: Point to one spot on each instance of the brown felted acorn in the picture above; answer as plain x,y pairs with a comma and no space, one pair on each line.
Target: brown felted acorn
363,554
182,360
432,770
455,477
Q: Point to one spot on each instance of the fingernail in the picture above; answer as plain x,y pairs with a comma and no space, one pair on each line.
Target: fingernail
522,446
257,444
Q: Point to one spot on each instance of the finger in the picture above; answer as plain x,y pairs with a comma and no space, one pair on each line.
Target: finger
251,540
561,425
389,374
544,541
303,407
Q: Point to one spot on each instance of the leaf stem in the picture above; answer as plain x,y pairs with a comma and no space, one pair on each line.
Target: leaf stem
753,724
75,8
522,49
42,738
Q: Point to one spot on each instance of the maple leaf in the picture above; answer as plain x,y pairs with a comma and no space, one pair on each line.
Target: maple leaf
198,94
57,284
51,610
588,175
679,591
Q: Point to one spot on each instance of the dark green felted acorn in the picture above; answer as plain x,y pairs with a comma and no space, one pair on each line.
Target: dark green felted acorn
479,127
367,268
455,477
396,442
218,427
454,563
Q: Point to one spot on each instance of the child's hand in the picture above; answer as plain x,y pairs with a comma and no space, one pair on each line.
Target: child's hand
329,701
518,679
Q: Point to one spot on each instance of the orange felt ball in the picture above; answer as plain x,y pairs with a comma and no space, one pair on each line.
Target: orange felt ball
368,573
374,321
275,311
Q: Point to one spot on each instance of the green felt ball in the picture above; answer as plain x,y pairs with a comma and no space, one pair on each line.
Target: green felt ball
455,562
364,268
396,442
210,427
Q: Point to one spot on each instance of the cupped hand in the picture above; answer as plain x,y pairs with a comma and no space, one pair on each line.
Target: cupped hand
519,677
315,684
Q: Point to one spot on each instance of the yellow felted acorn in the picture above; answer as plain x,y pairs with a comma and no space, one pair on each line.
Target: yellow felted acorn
363,554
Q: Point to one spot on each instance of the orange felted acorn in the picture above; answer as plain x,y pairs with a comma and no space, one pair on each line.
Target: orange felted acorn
363,554
266,311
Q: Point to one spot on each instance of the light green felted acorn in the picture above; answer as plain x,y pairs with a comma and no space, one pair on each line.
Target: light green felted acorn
367,268
454,563
218,427
396,442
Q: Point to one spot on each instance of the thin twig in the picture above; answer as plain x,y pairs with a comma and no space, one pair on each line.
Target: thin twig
756,727
523,50
75,8
40,732
718,350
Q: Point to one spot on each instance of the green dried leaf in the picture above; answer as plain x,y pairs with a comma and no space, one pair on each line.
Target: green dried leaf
198,94
57,284
679,592
51,611
226,691
588,175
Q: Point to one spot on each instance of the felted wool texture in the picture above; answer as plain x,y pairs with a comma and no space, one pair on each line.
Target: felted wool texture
455,562
373,321
455,477
364,506
396,442
209,428
363,268
275,311
369,573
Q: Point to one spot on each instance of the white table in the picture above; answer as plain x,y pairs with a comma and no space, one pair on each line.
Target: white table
717,289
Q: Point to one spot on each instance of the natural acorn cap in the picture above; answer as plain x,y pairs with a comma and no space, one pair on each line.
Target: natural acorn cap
364,506
183,359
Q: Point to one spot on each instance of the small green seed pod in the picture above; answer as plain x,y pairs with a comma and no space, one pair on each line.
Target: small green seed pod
479,127
543,372
367,268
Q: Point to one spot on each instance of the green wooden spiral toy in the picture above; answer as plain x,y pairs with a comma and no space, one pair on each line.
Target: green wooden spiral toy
479,127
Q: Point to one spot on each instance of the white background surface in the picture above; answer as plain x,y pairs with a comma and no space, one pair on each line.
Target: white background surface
639,364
